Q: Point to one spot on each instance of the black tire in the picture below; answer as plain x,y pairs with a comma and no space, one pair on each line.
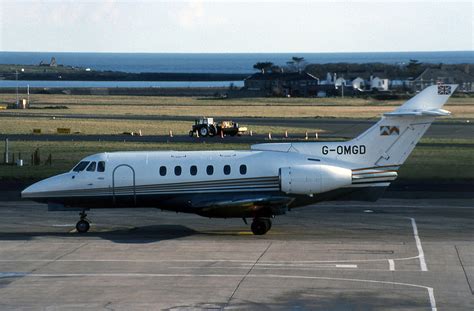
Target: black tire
269,224
212,131
259,226
82,226
203,131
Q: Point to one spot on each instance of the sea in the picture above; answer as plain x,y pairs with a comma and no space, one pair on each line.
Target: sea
206,63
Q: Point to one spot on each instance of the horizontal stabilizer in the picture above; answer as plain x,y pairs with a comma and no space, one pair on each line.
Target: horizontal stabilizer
427,103
430,113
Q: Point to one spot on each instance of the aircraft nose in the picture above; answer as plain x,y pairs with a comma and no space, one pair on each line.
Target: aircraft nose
34,190
43,187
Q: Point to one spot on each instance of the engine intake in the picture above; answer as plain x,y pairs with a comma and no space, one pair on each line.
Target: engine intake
310,179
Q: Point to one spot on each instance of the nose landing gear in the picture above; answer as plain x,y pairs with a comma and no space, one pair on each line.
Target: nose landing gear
260,226
83,225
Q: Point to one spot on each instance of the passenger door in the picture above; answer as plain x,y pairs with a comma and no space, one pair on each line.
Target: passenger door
123,186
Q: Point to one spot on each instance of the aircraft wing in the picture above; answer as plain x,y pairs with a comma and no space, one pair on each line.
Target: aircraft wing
243,206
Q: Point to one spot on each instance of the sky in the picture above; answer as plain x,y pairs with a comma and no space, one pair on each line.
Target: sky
235,26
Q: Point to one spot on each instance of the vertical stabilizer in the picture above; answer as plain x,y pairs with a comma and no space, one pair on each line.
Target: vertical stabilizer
391,140
387,143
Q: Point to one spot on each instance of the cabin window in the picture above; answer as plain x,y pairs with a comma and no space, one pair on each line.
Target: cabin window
210,170
91,167
177,170
193,170
81,166
101,166
243,169
163,170
227,169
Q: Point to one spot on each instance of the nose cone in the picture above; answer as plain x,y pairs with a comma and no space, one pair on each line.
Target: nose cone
44,188
35,190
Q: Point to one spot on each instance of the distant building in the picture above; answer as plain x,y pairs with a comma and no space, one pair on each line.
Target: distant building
339,82
283,83
52,63
359,84
379,84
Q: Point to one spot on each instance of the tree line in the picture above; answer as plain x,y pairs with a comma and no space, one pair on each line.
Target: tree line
403,71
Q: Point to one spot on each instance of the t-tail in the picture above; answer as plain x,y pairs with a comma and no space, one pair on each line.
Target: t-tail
375,156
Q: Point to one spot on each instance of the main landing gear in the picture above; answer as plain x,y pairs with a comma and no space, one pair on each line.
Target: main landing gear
260,226
83,225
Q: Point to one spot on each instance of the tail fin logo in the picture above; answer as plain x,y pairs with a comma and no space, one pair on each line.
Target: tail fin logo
444,89
387,130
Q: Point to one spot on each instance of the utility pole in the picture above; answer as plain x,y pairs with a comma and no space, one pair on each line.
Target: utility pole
17,99
6,151
343,84
17,96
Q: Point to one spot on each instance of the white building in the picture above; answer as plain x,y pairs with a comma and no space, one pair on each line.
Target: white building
339,81
329,79
379,84
358,84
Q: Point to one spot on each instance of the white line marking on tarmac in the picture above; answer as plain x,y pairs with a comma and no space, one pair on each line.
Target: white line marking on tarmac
270,267
269,276
346,266
421,254
432,299
391,264
299,265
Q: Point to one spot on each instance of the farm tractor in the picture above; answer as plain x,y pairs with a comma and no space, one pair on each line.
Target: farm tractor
207,127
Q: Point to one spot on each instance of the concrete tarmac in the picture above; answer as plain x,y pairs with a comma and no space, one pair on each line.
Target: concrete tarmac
390,255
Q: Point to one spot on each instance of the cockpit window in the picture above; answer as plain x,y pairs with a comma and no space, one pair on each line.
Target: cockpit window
91,167
81,166
101,166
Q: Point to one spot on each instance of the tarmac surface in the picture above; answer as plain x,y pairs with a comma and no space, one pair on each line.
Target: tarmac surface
395,254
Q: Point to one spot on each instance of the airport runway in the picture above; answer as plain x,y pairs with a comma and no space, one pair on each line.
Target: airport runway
391,255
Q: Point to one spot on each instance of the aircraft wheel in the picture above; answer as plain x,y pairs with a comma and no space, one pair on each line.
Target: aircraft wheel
260,226
269,224
204,131
82,226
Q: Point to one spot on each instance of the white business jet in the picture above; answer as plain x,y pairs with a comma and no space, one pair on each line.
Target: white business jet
260,183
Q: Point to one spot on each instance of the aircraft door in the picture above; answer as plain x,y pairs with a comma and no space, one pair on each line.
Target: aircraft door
123,186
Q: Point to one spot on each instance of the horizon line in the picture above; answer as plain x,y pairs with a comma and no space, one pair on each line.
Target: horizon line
285,52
